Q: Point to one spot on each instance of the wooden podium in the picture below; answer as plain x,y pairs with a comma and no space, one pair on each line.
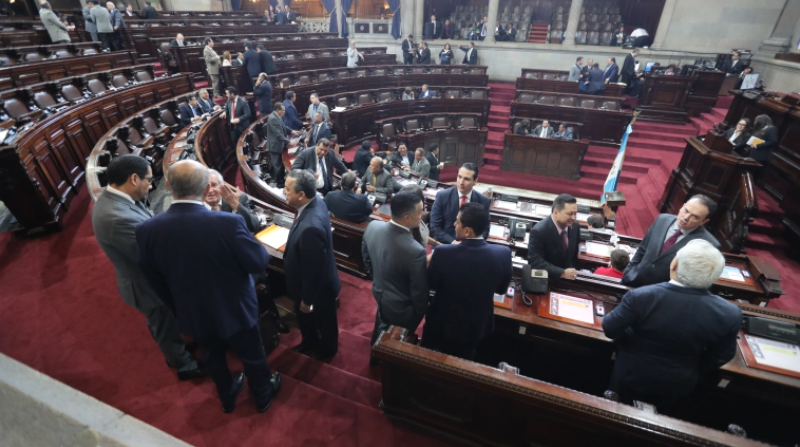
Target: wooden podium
724,177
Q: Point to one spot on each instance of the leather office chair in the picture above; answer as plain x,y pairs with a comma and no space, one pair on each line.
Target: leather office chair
286,81
322,77
150,126
516,10
558,17
387,131
365,98
582,26
60,54
591,17
602,18
605,38
32,57
361,73
477,94
379,72
476,71
515,127
545,99
168,118
71,93
582,18
436,71
304,79
610,105
343,74
594,26
325,54
15,108
606,27
385,96
456,70
142,76
525,98
309,55
342,101
594,38
88,51
289,57
452,94
559,10
548,76
440,122
417,71
119,80
122,148
412,125
580,37
588,104
44,99
467,122
565,101
96,86
531,75
562,77
134,136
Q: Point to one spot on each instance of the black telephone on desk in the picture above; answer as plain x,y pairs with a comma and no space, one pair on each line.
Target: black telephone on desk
518,228
283,220
534,281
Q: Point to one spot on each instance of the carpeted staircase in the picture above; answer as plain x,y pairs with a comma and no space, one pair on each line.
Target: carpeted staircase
538,33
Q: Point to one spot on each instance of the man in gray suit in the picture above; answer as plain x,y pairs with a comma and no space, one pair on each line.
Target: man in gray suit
115,215
378,180
667,235
575,70
212,64
120,36
102,20
317,107
276,140
223,197
421,166
544,130
398,265
88,22
59,33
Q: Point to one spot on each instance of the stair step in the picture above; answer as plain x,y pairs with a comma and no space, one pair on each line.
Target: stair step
763,241
354,351
719,114
493,158
639,131
768,227
656,144
628,166
661,127
490,168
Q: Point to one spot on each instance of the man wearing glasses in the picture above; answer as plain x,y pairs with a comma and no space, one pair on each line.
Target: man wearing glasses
115,215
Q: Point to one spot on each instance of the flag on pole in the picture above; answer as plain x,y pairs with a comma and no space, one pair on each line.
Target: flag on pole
616,168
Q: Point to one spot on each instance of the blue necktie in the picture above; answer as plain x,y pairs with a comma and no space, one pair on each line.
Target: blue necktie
323,174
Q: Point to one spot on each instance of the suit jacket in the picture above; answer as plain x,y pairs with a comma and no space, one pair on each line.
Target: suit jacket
88,22
449,31
203,261
290,16
130,14
424,56
267,62
423,168
763,151
264,94
236,62
318,133
538,131
465,278
322,109
206,105
252,62
116,19
57,30
175,43
187,115
308,259
102,19
429,32
114,220
574,73
242,112
729,67
397,159
276,133
385,184
349,206
470,59
291,118
611,73
212,60
628,69
307,159
361,161
546,248
740,143
243,210
427,95
407,46
433,174
648,265
596,82
668,335
397,263
566,135
149,13
445,210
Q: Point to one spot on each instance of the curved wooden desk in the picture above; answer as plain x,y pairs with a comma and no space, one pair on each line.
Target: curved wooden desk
26,74
549,157
556,81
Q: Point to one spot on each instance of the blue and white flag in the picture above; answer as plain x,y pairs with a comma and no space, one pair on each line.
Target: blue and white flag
616,168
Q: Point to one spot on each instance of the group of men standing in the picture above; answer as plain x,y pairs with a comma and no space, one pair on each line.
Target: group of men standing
421,54
106,24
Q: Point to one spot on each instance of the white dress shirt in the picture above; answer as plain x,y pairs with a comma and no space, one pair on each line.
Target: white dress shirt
400,226
464,195
196,202
733,137
544,132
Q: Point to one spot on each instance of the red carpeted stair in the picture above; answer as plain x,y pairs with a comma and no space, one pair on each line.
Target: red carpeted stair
538,33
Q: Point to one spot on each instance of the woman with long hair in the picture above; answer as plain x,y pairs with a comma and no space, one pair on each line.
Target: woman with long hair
764,130
226,59
739,135
446,55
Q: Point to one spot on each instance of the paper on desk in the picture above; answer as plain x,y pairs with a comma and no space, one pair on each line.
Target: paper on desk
754,140
497,231
503,205
596,249
542,210
339,109
775,353
573,308
274,236
732,273
498,298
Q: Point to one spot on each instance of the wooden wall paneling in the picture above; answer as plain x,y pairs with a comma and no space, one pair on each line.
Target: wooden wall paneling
79,140
128,105
69,160
95,126
111,115
21,179
57,179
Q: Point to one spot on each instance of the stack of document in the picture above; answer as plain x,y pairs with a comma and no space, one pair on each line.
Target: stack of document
274,236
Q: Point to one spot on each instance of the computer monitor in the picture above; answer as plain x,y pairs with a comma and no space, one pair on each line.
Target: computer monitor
750,81
648,67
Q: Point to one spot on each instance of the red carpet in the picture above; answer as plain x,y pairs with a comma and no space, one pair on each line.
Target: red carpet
61,314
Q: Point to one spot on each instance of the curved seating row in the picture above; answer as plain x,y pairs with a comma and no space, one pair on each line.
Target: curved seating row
36,53
395,130
32,73
35,35
364,97
31,102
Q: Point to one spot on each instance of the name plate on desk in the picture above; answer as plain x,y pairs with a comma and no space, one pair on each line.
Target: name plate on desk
569,309
770,355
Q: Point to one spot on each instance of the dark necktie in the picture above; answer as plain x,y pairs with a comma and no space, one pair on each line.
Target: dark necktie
323,174
143,207
565,239
671,241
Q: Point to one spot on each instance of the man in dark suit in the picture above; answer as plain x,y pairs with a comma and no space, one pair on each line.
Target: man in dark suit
465,278
378,180
239,112
544,130
201,262
205,102
114,218
346,204
190,111
397,263
291,119
252,62
433,29
450,200
628,72
266,60
667,235
129,12
470,54
362,158
288,14
319,131
553,242
594,81
425,93
311,277
277,139
408,50
449,30
424,54
149,13
320,162
433,159
225,198
734,65
669,334
178,41
401,157
120,36
611,73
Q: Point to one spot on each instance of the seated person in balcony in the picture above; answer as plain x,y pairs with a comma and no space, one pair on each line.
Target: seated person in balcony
670,333
564,132
499,33
594,81
291,119
524,128
423,54
619,260
223,197
408,94
576,70
401,158
190,111
363,157
619,37
426,94
420,166
346,204
511,33
544,130
178,41
205,102
378,180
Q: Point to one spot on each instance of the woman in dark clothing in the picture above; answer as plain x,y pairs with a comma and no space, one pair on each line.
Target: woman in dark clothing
446,55
764,130
524,128
739,135
263,92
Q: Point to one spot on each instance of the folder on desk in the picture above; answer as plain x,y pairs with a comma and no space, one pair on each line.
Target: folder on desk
274,236
754,141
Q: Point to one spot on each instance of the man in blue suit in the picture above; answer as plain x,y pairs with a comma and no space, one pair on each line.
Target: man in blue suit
449,201
311,277
201,263
425,93
669,334
319,131
291,118
252,61
190,111
346,204
465,278
611,72
595,85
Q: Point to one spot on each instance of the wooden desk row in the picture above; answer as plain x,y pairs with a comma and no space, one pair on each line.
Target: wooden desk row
44,167
516,121
32,73
676,98
556,81
36,53
548,157
37,35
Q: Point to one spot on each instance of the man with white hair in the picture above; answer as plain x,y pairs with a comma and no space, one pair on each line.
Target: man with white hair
224,197
670,333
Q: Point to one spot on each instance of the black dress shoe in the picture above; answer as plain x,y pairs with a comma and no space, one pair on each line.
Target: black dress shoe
303,349
192,373
238,386
275,380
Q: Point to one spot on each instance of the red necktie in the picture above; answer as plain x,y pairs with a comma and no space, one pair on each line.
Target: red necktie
463,201
671,241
